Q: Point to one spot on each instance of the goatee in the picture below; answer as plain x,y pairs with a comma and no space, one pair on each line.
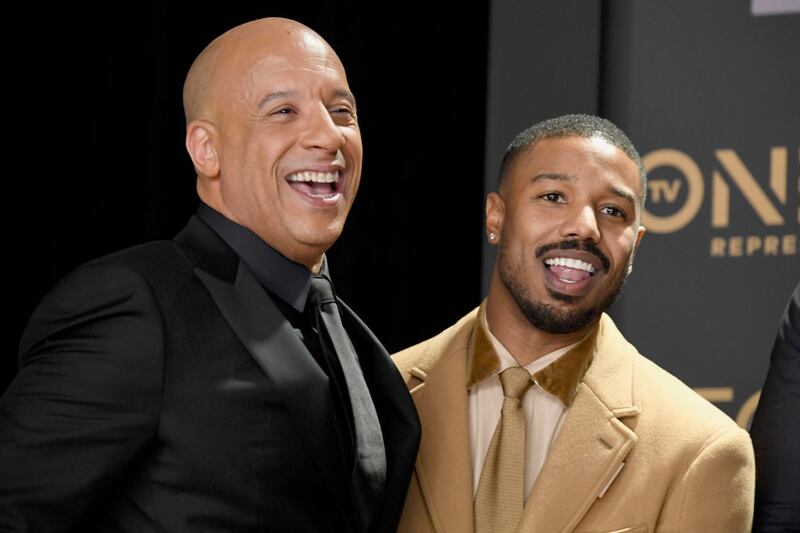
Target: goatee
548,317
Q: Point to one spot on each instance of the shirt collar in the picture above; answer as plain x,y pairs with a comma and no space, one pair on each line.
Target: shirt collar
559,373
286,279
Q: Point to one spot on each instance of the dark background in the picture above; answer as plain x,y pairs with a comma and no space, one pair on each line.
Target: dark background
690,75
93,114
98,158
699,76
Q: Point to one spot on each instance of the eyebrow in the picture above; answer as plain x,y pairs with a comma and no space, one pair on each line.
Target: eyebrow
341,93
554,176
274,96
347,95
625,195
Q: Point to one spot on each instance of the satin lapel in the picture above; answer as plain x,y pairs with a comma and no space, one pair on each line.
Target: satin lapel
592,444
396,411
398,417
298,379
444,467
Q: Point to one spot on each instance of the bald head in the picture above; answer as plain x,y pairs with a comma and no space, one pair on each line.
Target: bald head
272,130
219,68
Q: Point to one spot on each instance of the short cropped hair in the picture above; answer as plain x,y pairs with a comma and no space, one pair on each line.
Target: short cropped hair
576,125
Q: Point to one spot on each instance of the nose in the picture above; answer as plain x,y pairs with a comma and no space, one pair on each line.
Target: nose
582,224
321,132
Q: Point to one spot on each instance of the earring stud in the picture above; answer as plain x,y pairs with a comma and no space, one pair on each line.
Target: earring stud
492,236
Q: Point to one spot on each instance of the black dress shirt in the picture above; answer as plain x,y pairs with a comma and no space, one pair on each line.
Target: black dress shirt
288,284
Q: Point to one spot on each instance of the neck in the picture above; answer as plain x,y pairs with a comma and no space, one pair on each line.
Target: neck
307,255
523,340
312,259
316,267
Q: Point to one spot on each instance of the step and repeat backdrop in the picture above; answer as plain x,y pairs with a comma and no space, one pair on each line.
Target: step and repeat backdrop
708,92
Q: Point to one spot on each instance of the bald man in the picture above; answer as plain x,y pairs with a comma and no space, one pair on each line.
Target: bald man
189,385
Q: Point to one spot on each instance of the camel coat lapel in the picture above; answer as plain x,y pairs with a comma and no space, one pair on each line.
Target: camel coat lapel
591,446
437,382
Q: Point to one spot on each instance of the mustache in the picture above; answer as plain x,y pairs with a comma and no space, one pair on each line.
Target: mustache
576,244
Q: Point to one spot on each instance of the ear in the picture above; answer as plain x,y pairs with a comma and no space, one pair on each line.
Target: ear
495,215
202,141
639,235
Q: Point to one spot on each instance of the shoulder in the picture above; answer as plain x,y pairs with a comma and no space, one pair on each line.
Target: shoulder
706,457
120,271
428,353
118,287
669,400
152,259
102,328
664,412
681,425
148,265
656,393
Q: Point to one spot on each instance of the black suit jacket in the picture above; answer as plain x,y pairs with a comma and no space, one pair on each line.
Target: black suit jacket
776,431
160,389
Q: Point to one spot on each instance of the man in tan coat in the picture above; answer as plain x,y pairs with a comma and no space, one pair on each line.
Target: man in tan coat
599,438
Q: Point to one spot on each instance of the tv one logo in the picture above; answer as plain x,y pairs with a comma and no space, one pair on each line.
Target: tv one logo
777,210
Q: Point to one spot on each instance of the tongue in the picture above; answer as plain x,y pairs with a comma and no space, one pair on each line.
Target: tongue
571,274
313,188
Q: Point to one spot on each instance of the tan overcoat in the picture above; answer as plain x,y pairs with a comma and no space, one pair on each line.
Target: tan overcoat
638,450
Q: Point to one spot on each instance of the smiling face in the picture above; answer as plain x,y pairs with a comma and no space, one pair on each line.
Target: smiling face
567,224
274,137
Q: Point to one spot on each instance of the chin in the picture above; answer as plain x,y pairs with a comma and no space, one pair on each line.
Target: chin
318,239
559,319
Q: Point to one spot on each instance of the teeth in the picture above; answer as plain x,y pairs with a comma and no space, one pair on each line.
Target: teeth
570,263
331,196
316,177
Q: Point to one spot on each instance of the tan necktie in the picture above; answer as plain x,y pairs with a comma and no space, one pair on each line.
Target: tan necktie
501,489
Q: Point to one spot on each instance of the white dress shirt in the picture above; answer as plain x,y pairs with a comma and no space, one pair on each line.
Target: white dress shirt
543,414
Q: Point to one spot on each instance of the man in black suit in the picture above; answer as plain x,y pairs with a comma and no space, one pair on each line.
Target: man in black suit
190,385
776,431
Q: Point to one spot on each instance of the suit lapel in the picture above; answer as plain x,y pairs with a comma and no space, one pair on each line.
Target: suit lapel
276,348
444,467
588,453
592,444
396,411
398,417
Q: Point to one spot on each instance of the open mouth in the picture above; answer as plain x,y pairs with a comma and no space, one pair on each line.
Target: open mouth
321,187
569,270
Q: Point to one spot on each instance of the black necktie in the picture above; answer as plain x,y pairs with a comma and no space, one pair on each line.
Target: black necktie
369,472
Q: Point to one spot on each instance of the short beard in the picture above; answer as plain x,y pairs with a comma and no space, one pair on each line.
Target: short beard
547,317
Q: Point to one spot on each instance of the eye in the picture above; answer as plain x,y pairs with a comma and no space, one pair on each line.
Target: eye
553,197
286,110
345,110
282,111
344,113
613,211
